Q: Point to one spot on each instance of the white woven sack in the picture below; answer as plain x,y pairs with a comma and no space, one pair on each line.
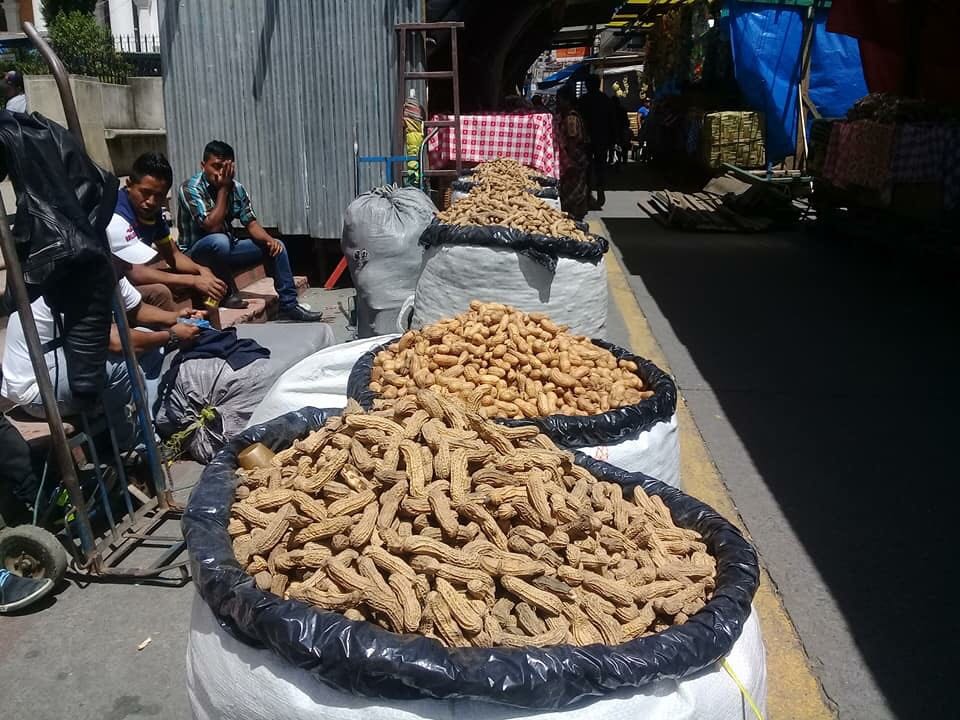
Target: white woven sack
654,452
228,679
453,275
319,380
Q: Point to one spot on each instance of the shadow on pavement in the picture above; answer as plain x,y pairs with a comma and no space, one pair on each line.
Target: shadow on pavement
637,176
836,366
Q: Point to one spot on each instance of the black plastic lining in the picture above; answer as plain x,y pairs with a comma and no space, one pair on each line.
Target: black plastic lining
569,431
541,180
363,659
549,192
542,249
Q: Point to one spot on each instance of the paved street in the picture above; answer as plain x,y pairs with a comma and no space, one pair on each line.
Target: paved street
820,375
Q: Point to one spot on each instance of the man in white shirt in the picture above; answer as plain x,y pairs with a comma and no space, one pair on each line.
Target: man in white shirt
20,383
13,90
138,220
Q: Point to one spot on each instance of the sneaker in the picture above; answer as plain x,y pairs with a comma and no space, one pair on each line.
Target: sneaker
17,592
298,313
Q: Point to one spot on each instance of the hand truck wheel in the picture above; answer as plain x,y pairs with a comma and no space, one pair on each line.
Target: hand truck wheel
31,551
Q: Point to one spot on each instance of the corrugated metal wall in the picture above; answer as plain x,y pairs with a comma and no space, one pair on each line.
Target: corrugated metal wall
284,82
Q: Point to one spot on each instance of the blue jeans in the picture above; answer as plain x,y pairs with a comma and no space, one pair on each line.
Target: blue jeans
224,254
117,399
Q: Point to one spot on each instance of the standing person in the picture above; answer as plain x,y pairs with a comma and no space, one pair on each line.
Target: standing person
642,112
598,114
574,156
622,125
208,204
138,233
13,91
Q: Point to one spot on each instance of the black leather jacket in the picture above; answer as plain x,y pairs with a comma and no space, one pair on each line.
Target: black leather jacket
64,203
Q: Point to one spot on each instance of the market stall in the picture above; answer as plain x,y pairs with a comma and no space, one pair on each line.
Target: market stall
895,158
768,67
526,137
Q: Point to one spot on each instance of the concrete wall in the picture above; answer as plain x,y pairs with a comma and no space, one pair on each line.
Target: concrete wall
124,149
114,118
43,97
118,106
148,102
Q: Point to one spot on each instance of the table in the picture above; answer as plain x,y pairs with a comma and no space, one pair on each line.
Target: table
525,137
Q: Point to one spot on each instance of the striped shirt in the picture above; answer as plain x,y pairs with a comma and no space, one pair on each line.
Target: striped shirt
197,197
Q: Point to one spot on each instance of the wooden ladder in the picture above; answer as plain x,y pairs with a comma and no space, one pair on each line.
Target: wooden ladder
418,32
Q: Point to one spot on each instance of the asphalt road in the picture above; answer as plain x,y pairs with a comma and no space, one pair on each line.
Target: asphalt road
821,376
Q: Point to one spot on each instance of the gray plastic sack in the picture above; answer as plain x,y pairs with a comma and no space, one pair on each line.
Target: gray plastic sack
381,232
210,383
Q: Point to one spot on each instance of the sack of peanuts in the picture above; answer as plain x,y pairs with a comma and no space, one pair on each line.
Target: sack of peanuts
524,369
381,230
549,194
422,561
496,244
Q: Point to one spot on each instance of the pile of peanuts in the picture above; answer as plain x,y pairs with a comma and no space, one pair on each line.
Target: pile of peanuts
504,169
502,197
426,518
506,363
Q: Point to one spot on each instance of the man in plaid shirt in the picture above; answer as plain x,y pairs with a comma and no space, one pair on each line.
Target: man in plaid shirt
209,203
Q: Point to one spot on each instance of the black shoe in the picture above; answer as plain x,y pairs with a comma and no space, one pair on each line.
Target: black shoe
17,592
233,302
297,313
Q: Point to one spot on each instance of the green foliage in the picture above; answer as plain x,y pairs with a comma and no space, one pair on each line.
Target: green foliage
28,62
86,47
51,8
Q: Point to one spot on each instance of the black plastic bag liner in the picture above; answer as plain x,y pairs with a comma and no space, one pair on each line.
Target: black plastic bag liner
541,180
550,192
542,249
569,431
364,659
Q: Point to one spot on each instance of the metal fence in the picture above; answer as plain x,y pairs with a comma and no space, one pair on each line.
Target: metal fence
143,64
107,72
137,44
286,83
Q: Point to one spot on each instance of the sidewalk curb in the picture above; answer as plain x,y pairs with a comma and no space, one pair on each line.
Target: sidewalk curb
793,690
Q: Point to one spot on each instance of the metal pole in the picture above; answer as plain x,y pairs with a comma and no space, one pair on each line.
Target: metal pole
60,75
139,388
133,368
58,437
800,154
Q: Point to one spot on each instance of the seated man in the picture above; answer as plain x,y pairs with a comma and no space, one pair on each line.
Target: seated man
208,203
20,383
138,225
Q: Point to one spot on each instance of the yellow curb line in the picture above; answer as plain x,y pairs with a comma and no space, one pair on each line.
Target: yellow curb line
793,691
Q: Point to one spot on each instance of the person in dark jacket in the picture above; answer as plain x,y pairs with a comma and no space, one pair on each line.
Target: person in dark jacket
598,114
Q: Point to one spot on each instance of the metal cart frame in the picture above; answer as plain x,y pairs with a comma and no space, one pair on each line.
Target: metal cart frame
105,555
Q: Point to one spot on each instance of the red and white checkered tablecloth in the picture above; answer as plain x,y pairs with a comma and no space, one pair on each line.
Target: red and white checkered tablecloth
527,138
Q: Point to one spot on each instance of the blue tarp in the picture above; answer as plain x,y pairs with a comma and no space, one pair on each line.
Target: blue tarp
561,76
766,45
